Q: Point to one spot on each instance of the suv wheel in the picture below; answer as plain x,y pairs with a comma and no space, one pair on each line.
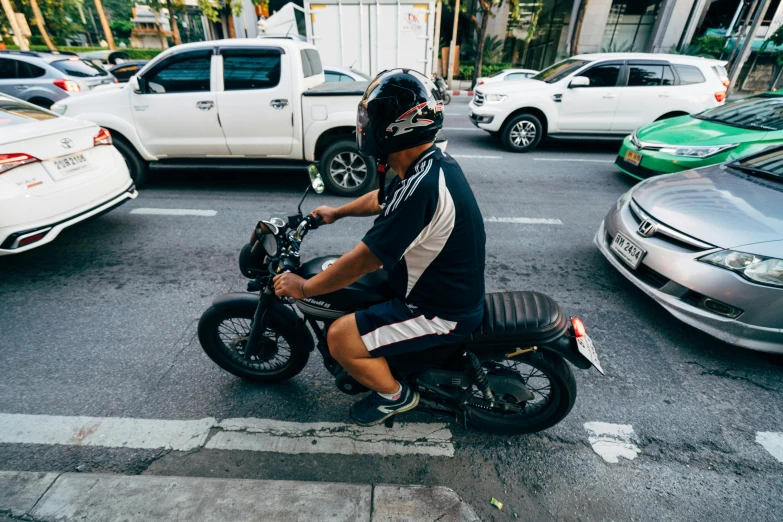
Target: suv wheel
522,133
346,172
139,171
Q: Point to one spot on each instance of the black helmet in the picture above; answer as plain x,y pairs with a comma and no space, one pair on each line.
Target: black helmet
398,112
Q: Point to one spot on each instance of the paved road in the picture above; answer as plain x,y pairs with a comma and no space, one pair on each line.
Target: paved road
102,324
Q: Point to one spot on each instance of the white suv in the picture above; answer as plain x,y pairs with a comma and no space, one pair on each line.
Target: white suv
597,95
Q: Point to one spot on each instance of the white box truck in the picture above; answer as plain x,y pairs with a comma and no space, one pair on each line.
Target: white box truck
367,35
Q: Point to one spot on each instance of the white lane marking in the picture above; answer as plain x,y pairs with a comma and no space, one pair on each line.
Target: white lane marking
230,434
574,159
772,442
332,437
469,156
523,220
611,441
112,432
174,212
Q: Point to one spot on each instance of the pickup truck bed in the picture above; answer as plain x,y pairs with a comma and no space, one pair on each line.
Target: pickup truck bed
338,89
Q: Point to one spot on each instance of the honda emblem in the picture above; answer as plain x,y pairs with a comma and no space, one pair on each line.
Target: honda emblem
647,228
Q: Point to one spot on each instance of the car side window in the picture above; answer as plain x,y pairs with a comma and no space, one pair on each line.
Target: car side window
603,75
245,69
668,75
7,69
689,74
516,76
186,72
332,77
346,78
28,70
645,75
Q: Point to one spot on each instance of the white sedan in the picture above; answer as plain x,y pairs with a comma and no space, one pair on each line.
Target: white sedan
54,172
507,75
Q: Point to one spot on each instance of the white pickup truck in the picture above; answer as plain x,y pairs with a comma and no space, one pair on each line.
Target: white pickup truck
233,104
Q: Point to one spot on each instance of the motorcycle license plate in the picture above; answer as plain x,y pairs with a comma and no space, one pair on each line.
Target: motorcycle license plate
585,346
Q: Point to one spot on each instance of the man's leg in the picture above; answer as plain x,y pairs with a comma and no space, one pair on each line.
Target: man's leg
347,347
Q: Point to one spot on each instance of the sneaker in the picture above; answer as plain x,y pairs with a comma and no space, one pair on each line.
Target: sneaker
374,409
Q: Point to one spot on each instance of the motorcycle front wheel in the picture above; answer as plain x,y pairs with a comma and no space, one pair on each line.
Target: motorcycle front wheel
223,331
446,98
550,380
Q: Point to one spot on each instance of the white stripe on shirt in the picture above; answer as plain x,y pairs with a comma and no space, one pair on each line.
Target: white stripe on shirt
406,330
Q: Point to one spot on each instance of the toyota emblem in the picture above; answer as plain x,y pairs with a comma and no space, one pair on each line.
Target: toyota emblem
647,228
67,143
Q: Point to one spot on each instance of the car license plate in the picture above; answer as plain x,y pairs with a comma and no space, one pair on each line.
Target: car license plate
70,165
585,346
634,158
628,251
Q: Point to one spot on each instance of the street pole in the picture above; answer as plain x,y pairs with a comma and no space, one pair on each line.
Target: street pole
9,13
436,46
451,46
105,25
747,44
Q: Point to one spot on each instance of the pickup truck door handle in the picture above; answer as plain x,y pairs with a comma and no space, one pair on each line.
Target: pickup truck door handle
205,105
665,95
278,104
610,95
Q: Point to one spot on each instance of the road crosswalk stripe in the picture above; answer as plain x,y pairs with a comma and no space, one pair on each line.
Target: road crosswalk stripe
174,212
772,442
250,434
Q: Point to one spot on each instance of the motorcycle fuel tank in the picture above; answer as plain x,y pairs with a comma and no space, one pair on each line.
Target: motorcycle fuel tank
369,290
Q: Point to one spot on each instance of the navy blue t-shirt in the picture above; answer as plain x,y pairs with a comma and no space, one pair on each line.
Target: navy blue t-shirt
430,238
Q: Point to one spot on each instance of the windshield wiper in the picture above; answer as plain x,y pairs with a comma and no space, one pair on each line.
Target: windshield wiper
754,171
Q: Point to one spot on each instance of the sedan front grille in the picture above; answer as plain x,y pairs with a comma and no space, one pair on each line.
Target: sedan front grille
667,233
478,98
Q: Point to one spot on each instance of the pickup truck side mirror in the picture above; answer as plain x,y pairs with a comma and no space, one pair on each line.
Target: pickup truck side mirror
579,81
134,83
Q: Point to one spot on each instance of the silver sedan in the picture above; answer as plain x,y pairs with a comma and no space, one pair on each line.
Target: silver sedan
707,245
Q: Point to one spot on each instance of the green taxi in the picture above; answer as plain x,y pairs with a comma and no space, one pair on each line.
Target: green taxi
716,135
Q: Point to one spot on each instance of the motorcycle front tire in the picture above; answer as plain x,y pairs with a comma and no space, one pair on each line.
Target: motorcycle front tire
446,98
214,347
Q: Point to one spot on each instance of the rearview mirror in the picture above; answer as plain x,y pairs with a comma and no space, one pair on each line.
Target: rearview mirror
133,81
579,81
316,181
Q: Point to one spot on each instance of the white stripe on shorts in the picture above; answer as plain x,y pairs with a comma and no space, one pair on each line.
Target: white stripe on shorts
407,330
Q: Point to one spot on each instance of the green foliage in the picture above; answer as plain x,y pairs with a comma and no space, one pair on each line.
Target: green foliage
617,48
466,71
121,28
706,46
135,54
212,8
493,50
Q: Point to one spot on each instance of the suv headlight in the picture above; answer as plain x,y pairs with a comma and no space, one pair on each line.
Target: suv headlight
59,108
759,269
494,98
698,152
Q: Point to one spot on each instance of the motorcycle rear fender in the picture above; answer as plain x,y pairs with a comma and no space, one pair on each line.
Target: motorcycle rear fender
278,315
565,347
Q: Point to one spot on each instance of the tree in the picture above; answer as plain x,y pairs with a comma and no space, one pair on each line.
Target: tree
212,9
173,21
485,8
40,23
105,25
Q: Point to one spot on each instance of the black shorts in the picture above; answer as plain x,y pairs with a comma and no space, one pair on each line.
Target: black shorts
394,328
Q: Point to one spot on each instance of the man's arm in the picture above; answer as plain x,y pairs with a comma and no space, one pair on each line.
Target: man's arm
346,270
366,205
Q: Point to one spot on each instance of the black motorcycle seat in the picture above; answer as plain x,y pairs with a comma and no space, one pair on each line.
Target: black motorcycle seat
519,317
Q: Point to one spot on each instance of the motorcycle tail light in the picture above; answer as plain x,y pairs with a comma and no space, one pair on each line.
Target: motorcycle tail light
579,328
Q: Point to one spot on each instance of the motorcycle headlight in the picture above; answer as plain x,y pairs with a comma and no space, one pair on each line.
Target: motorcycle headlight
759,269
494,98
698,152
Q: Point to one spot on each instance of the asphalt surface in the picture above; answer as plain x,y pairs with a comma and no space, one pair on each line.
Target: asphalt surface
103,323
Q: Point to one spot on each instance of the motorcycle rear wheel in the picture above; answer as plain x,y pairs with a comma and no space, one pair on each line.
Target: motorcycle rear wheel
223,329
551,404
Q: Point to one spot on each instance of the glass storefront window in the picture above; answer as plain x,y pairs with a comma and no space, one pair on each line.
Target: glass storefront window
630,25
549,33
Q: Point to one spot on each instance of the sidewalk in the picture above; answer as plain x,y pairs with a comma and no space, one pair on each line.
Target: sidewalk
89,496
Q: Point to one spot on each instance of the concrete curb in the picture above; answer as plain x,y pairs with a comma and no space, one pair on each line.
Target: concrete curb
462,93
90,496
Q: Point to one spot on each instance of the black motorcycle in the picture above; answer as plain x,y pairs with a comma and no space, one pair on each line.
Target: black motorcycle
441,92
509,377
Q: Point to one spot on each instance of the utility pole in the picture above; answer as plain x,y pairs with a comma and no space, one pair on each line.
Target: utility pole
436,46
174,28
747,44
9,13
451,46
40,23
105,25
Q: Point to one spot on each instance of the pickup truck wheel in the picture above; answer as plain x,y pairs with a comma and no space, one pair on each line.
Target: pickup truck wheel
522,133
346,172
139,171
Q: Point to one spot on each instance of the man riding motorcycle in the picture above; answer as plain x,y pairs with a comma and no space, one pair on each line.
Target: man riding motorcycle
429,236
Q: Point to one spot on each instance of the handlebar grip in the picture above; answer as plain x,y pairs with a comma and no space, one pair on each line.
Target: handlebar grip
315,220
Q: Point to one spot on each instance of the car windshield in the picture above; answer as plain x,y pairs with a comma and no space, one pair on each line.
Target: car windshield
769,165
763,112
560,70
13,112
79,68
360,73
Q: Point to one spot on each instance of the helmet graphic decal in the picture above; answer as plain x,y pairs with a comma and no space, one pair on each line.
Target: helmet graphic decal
405,123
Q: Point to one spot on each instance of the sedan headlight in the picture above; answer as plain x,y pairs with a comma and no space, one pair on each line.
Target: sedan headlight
698,152
59,109
759,269
636,141
494,98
